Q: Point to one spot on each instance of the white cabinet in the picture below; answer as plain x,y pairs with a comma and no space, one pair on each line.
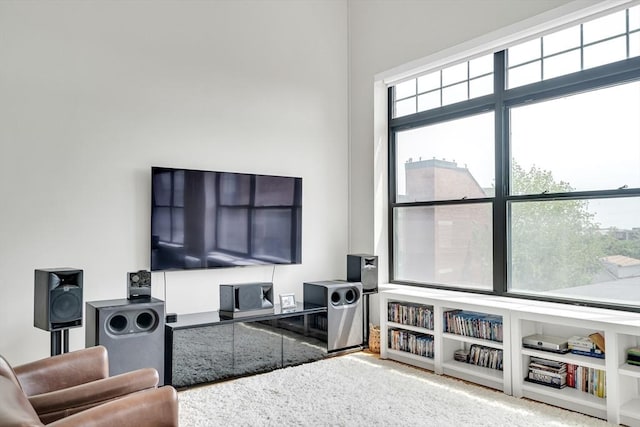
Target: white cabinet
572,396
628,377
409,332
607,388
489,367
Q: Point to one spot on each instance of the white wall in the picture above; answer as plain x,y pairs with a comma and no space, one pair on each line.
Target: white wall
92,94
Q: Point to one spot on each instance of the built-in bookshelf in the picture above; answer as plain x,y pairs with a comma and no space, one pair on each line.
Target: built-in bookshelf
628,388
410,332
460,340
479,338
585,386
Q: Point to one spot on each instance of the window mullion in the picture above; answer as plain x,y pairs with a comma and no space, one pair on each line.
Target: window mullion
391,191
501,173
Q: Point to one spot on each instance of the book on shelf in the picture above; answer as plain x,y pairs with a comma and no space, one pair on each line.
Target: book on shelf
591,353
547,372
545,383
577,341
545,368
592,346
633,356
548,363
588,380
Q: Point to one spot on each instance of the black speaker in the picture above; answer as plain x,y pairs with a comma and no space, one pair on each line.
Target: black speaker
57,299
139,284
131,330
364,269
246,299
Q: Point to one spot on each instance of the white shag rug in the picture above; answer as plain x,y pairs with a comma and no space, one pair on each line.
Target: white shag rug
358,389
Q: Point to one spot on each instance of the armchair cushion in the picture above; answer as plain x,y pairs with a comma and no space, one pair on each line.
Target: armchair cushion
156,407
64,370
149,408
62,403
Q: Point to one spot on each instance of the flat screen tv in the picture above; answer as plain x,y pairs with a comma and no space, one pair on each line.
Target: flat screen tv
206,219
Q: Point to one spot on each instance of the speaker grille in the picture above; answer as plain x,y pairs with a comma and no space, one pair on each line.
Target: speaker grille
132,321
65,306
118,324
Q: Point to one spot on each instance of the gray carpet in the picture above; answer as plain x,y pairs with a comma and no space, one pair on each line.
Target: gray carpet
359,389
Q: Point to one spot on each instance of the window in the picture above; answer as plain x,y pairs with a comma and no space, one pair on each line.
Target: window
471,79
598,42
531,186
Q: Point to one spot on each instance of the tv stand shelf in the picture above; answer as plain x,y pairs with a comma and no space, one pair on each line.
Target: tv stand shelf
205,347
615,395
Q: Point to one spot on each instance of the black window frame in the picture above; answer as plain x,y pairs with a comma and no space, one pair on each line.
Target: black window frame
501,101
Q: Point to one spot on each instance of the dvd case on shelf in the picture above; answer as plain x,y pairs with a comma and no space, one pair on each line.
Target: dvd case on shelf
485,356
411,342
419,315
473,324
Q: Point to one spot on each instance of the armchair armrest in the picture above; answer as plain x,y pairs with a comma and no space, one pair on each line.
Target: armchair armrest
57,404
149,408
15,410
64,370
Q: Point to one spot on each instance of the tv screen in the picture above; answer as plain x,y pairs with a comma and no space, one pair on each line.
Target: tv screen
207,219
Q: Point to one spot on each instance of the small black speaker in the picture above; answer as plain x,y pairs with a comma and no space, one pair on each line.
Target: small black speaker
139,284
246,299
131,330
57,299
364,269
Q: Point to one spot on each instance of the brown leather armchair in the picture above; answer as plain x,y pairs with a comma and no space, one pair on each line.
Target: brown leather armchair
156,407
71,383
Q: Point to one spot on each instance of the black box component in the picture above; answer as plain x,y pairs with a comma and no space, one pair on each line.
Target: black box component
546,343
246,299
364,269
139,284
131,330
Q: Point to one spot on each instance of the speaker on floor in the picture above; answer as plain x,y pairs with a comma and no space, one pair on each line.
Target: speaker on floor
57,299
344,317
364,269
246,299
131,330
139,284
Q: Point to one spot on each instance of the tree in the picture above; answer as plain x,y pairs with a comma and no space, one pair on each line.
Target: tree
554,244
